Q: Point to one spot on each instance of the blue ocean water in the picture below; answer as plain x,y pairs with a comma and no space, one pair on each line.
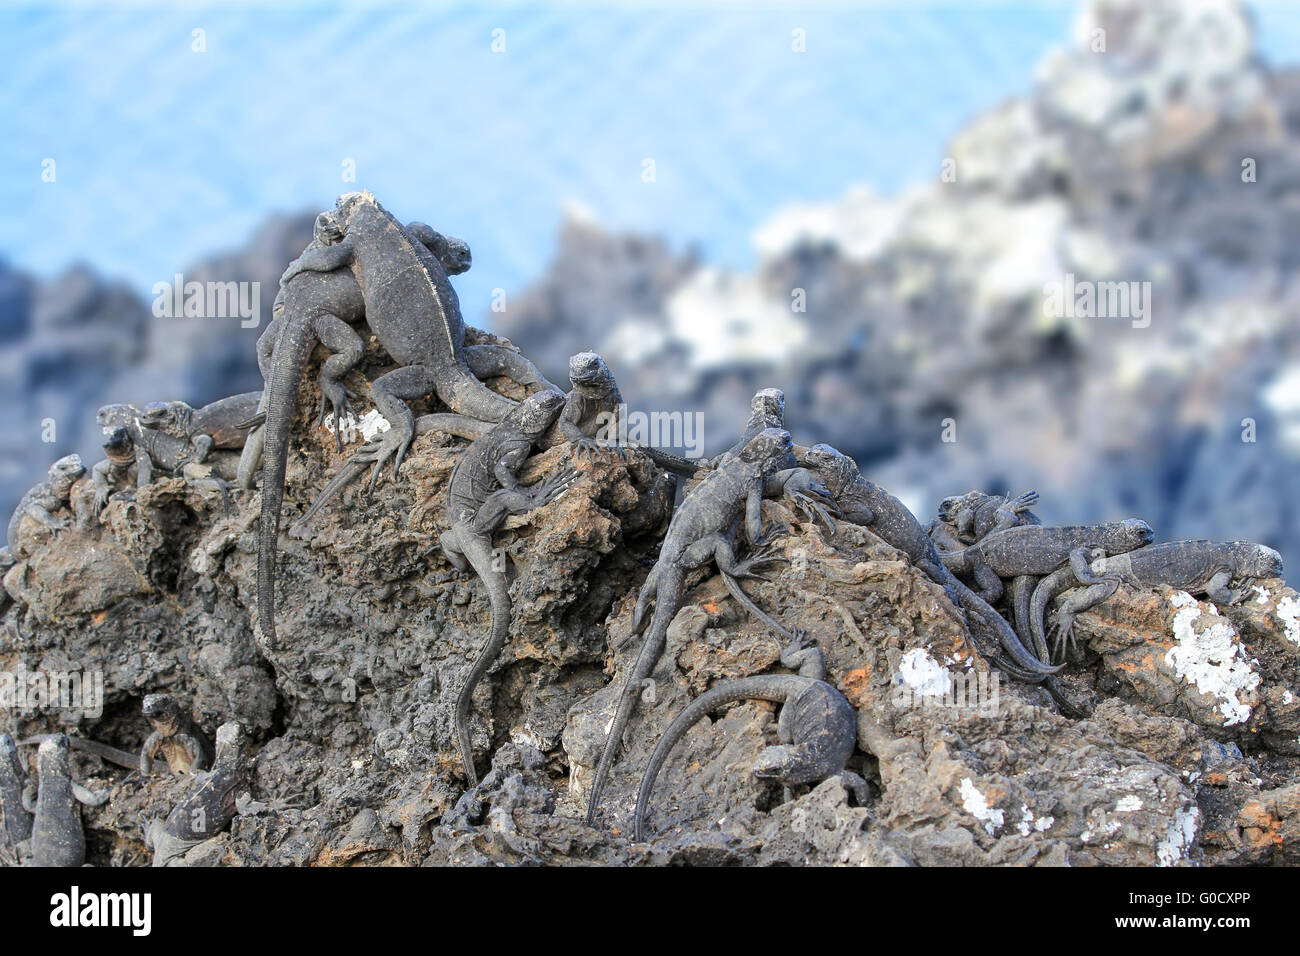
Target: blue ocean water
164,154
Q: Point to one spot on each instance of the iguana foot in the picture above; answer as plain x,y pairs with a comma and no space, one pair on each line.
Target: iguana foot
395,443
763,556
814,510
335,397
1023,502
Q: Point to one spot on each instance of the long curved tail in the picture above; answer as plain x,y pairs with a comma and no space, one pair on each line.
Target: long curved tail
290,357
1045,592
774,687
1007,636
479,552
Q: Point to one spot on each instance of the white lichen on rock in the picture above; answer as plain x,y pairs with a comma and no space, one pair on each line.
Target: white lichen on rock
1180,836
1288,612
1211,659
974,803
922,674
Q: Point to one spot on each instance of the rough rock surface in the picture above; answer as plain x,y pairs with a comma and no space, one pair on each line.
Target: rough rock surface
351,713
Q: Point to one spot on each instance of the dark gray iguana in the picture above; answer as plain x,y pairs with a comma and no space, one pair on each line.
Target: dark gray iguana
965,519
411,309
44,501
209,805
865,503
18,819
483,490
57,836
701,531
817,728
1197,567
215,425
183,744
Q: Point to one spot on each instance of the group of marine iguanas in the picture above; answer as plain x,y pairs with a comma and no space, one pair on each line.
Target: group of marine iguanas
364,266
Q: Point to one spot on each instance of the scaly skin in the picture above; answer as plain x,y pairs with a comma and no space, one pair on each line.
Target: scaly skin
412,310
209,805
183,744
57,837
817,727
483,490
215,425
43,501
700,531
863,502
1039,550
1197,567
18,821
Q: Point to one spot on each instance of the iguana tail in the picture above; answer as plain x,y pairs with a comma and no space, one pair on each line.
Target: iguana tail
1060,580
478,550
668,585
120,757
18,821
679,466
287,364
774,687
1007,636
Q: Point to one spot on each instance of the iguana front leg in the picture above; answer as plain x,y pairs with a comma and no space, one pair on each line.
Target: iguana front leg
990,586
143,467
341,339
149,751
754,513
1218,589
320,259
390,393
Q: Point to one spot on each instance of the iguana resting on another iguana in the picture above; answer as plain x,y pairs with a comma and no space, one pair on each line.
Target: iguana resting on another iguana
131,454
44,500
483,490
965,519
215,425
411,309
209,806
1197,567
865,503
701,531
817,728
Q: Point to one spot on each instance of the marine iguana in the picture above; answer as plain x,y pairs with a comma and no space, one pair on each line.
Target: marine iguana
964,519
817,728
131,454
766,410
18,819
209,805
482,491
1039,550
863,502
1197,567
57,836
412,310
215,425
700,531
44,500
183,744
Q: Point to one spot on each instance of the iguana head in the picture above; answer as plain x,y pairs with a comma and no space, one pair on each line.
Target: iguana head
536,413
1258,561
771,449
1122,536
231,739
588,368
768,404
834,467
52,758
162,711
792,764
452,253
953,505
118,446
332,225
63,473
111,416
157,414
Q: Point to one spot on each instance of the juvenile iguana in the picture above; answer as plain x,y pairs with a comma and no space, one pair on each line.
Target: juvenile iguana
209,805
865,503
44,500
701,531
965,519
124,464
1197,567
215,425
183,744
411,309
817,728
483,490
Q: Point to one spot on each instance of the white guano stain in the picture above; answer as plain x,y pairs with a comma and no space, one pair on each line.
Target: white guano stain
925,676
1288,612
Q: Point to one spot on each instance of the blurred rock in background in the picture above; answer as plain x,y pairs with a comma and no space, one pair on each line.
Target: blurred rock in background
1153,148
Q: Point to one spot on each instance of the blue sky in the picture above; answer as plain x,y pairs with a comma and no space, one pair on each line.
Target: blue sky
165,155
